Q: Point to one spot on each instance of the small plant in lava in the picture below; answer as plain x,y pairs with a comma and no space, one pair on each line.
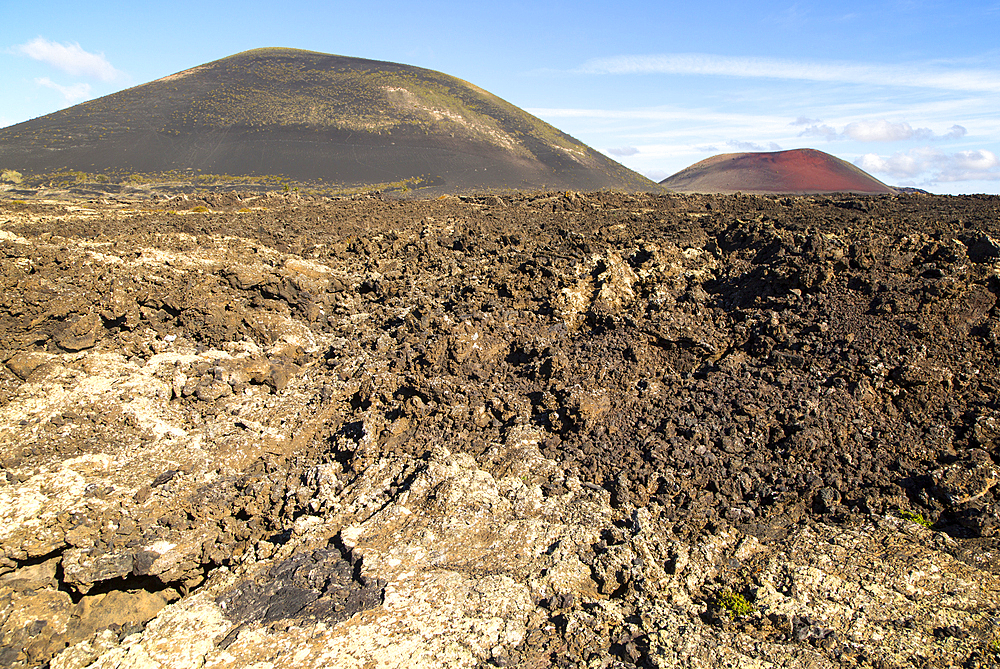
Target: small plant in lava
915,517
735,603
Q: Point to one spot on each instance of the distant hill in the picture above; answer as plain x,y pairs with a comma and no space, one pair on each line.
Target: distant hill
798,171
313,116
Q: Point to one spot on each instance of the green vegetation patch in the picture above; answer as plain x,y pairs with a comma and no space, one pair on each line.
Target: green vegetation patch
915,517
735,603
63,179
190,181
11,177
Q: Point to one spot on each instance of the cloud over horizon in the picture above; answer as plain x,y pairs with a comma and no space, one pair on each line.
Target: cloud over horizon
876,130
70,58
624,151
753,146
980,165
74,93
918,75
881,130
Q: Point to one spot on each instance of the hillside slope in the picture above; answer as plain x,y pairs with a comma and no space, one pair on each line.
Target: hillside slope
314,117
798,171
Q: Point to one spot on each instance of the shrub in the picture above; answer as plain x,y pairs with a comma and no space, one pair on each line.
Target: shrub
915,517
736,604
11,177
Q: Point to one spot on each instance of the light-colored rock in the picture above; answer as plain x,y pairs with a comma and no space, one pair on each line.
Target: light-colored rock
966,480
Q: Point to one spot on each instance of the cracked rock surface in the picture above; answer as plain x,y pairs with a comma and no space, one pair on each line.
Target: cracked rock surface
530,430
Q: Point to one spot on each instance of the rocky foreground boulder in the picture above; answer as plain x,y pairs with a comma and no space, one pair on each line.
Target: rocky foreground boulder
539,430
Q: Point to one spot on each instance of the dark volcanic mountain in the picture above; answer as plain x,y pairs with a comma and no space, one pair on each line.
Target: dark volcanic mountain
313,116
798,171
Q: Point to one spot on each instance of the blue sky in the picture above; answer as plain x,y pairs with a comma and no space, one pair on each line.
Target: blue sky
908,90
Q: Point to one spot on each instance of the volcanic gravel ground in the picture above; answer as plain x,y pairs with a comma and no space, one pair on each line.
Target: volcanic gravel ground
718,362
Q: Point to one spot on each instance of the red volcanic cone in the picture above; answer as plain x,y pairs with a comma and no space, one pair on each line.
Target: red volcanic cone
797,171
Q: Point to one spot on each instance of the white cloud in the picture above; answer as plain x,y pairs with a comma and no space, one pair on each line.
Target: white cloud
900,165
975,160
881,130
70,58
956,132
824,131
655,175
73,93
877,130
646,114
752,146
932,165
913,74
624,151
667,117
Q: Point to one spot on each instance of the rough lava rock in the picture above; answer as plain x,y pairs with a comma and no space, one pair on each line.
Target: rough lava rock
517,430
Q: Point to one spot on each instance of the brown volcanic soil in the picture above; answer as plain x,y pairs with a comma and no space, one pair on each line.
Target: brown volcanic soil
314,117
580,420
799,171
